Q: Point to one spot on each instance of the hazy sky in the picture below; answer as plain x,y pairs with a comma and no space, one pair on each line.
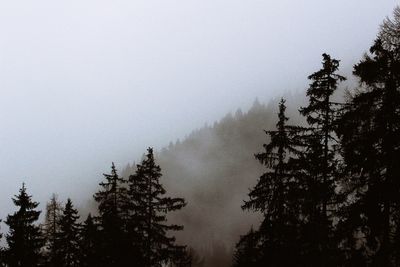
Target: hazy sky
87,82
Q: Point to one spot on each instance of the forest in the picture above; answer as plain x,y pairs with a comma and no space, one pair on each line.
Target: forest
328,195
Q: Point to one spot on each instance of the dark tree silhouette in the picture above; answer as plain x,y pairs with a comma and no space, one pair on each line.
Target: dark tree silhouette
24,238
89,244
275,195
112,199
370,136
248,252
137,207
319,165
150,207
68,236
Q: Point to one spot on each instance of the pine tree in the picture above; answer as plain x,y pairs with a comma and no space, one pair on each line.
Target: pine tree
89,244
24,238
319,165
112,199
51,230
137,207
68,236
370,135
275,195
150,208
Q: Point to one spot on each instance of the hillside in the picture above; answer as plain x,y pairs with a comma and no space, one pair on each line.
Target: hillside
213,169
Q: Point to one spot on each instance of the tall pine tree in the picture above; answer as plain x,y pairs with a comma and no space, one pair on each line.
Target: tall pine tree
318,165
24,237
112,200
150,209
370,135
68,236
275,195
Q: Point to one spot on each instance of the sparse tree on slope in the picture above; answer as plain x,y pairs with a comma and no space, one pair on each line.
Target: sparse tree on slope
51,230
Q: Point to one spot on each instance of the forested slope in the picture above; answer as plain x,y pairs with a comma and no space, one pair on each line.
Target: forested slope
213,169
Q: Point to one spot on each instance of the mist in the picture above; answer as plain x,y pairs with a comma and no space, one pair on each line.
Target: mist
85,83
213,168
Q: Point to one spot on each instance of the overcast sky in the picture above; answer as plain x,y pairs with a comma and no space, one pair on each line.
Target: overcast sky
87,82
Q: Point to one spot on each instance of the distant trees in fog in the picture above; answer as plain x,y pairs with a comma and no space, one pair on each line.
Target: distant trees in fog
329,195
130,230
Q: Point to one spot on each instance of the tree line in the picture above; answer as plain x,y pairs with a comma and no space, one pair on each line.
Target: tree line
330,195
130,229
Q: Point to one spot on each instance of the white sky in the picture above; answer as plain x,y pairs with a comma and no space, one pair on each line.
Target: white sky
87,82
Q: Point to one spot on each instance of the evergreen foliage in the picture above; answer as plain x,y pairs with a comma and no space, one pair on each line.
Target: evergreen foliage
112,200
369,131
318,166
89,244
328,194
275,196
24,238
68,237
248,252
149,210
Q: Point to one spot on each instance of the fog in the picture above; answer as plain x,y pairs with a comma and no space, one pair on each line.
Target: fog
85,83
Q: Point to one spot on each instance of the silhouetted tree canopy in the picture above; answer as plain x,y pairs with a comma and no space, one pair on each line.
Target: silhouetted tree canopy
68,237
24,238
328,194
150,206
369,131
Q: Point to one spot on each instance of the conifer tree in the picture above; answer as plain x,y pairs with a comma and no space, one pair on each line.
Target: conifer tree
275,195
318,165
370,135
112,200
51,230
24,238
150,209
68,236
137,207
89,244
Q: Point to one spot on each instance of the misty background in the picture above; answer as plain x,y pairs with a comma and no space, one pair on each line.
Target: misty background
85,83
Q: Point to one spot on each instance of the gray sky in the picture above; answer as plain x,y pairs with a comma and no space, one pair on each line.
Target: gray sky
84,83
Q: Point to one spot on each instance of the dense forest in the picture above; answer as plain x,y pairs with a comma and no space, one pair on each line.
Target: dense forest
327,193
